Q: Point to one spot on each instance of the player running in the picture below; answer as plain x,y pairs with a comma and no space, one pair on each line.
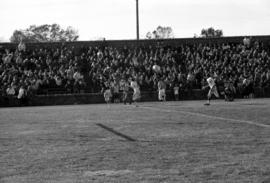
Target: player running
213,89
107,93
161,90
136,91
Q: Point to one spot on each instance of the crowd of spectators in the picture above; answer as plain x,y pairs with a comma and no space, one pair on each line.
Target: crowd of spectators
85,69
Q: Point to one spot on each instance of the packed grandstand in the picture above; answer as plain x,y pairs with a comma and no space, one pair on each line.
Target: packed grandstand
66,69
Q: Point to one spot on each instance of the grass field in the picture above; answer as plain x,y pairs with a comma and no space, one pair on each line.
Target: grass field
155,142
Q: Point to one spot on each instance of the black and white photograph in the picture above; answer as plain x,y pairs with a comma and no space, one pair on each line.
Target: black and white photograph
134,91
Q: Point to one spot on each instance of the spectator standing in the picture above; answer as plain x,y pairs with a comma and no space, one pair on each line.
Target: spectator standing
176,91
22,96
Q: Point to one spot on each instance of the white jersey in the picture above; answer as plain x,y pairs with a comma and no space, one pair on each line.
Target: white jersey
211,82
161,85
136,94
134,85
21,93
176,90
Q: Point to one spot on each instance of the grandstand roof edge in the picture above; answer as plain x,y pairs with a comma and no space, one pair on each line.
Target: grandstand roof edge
134,40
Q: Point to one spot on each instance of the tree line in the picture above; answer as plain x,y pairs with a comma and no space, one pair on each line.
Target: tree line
55,33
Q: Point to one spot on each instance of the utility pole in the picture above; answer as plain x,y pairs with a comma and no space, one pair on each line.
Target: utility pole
137,19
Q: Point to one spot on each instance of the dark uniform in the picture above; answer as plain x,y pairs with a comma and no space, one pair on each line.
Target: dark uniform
127,94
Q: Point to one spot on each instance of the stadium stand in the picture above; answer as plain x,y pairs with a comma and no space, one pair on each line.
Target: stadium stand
77,68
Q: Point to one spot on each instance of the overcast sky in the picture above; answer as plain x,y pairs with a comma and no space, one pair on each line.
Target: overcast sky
116,19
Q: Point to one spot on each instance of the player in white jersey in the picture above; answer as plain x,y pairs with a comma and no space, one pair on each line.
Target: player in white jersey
161,90
136,91
107,93
213,89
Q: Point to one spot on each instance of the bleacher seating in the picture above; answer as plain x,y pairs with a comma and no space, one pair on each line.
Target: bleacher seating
84,67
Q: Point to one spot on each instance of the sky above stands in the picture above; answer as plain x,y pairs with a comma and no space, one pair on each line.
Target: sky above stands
116,19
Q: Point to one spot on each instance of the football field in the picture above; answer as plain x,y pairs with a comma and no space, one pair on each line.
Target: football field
184,142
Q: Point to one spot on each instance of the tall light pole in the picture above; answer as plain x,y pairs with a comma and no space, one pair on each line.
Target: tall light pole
137,19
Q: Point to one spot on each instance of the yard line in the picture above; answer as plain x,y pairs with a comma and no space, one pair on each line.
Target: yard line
208,116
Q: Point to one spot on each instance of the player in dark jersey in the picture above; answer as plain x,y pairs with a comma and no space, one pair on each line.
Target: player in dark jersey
127,95
229,91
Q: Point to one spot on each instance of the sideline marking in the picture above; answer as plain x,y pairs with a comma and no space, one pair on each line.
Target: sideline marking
208,116
116,132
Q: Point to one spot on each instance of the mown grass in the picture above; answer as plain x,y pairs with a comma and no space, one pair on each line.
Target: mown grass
68,144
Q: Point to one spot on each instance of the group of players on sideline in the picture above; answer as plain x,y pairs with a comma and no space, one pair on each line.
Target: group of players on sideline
131,91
